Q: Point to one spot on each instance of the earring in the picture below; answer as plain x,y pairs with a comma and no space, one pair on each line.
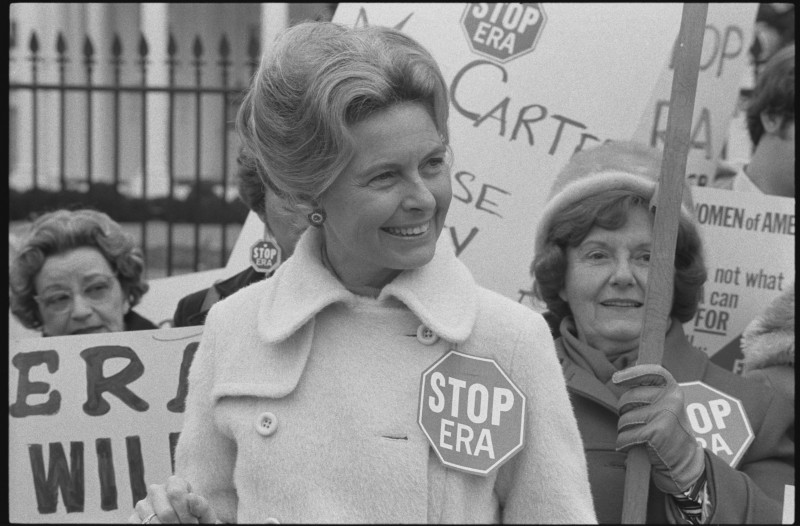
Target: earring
317,217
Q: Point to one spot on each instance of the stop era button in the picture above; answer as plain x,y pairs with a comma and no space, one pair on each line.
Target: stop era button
266,424
265,256
718,420
426,336
471,412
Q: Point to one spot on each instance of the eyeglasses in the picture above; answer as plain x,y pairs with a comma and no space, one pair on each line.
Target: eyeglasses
97,291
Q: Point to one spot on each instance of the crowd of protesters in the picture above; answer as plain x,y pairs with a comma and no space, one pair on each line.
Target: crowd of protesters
346,160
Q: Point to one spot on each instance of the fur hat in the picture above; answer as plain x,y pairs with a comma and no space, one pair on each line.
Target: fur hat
612,165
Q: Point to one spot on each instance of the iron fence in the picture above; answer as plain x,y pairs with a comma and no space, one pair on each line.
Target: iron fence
199,206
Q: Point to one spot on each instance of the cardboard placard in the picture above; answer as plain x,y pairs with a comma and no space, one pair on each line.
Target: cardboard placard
749,251
728,34
93,420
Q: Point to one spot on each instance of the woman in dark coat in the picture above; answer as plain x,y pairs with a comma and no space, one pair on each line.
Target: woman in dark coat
591,268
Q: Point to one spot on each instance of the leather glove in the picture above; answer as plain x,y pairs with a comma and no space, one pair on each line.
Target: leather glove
652,413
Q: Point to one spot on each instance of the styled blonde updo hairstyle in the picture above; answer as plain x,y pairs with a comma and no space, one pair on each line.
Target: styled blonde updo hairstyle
314,83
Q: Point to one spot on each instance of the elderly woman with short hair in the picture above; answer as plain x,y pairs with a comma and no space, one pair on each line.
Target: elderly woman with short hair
593,247
77,272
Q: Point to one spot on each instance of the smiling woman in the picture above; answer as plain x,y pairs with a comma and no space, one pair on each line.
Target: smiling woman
593,247
399,184
305,389
606,281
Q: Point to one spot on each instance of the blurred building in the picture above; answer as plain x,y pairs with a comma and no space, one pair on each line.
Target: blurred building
83,101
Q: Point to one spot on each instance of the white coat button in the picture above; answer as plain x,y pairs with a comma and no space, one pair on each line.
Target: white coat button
426,336
266,424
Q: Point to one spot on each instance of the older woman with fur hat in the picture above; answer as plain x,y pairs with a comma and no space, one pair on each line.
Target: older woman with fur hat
593,248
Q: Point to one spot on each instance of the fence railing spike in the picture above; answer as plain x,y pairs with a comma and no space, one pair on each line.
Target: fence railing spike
61,44
116,46
224,47
197,47
143,48
33,43
88,50
172,46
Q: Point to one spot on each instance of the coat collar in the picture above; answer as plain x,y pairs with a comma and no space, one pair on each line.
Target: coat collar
442,293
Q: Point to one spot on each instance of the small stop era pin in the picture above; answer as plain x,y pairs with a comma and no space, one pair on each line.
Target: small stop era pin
265,256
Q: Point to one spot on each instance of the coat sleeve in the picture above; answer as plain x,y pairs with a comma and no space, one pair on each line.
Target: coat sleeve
753,492
205,456
547,481
188,306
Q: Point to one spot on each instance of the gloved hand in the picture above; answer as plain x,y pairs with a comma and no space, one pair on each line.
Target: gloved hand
652,413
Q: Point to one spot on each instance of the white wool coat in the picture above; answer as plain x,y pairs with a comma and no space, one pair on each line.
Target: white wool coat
340,375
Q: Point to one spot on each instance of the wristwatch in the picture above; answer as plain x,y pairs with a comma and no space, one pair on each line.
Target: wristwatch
690,502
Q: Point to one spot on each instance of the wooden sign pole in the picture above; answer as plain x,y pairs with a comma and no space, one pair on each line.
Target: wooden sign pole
658,298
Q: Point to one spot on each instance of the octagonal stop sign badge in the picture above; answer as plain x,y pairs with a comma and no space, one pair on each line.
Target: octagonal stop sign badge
265,256
471,412
503,31
718,421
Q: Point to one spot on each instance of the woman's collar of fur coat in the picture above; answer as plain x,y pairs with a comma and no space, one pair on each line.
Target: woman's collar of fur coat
769,339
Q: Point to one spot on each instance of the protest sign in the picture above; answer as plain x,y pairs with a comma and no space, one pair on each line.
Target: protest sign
748,242
471,412
728,34
718,421
529,85
93,420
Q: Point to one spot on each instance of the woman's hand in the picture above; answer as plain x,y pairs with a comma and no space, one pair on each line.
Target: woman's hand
652,413
172,502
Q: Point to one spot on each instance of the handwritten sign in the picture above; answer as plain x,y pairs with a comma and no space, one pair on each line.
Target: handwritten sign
728,34
749,251
92,420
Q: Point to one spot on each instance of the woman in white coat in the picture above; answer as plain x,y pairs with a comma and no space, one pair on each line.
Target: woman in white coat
304,393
